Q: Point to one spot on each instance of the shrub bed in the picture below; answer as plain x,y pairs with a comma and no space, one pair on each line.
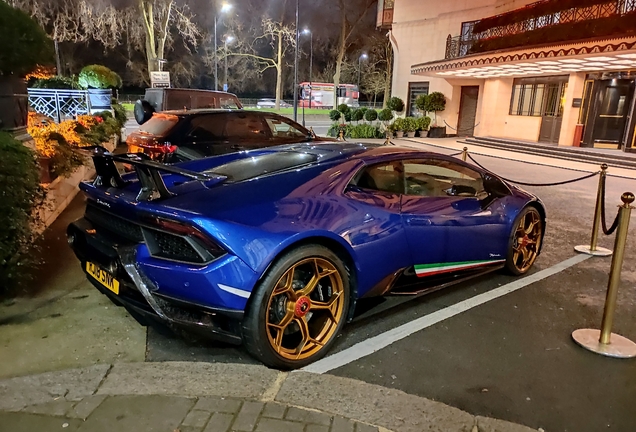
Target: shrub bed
21,194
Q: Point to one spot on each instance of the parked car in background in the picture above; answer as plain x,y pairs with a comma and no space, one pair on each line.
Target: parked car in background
174,136
272,248
271,103
164,99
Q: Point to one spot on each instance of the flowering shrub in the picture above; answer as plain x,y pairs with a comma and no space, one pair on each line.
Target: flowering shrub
57,142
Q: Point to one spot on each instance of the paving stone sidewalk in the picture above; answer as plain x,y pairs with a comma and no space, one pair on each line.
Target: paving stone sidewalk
214,397
101,413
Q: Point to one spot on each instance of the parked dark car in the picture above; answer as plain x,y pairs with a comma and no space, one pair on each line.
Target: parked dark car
164,99
176,136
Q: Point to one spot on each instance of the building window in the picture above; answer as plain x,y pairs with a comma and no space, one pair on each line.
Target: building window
415,89
538,96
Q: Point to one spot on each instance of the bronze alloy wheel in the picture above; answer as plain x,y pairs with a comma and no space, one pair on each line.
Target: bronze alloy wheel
526,241
298,308
305,308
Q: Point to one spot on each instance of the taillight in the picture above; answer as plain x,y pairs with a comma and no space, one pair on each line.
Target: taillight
150,145
186,230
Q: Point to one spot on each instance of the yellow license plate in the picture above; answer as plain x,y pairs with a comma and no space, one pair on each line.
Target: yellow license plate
103,277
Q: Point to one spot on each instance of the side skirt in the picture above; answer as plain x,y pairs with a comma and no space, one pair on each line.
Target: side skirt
411,285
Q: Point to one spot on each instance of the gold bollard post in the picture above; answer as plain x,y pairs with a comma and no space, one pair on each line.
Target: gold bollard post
603,341
388,139
341,135
465,154
593,249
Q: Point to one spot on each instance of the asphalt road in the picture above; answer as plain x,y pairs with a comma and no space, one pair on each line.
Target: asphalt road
512,358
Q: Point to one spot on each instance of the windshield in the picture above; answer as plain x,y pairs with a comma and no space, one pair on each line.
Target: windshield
159,124
256,166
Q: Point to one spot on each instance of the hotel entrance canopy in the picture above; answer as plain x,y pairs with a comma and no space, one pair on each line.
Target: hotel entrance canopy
589,56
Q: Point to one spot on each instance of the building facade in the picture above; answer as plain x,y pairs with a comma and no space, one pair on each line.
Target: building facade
553,71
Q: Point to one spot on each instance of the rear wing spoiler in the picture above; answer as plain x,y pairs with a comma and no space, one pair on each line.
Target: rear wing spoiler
149,173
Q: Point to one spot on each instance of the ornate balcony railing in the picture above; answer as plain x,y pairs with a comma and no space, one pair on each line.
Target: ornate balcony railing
545,21
59,104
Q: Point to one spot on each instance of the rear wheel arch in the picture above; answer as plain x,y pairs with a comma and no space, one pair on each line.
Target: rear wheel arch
336,247
275,329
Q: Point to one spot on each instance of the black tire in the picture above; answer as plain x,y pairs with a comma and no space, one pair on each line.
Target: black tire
257,331
143,111
519,265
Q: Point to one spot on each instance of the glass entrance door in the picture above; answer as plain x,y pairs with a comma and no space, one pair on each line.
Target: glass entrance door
613,103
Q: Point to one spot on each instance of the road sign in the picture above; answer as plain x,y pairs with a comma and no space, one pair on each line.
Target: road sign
225,87
160,79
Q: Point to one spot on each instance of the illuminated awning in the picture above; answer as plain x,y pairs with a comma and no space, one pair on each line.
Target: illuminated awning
593,56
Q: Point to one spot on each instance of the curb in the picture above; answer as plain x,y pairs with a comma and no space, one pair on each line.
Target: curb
386,408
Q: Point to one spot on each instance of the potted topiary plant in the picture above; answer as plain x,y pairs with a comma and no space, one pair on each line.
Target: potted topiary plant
395,104
423,124
371,115
436,102
24,46
410,126
385,116
99,81
398,127
357,115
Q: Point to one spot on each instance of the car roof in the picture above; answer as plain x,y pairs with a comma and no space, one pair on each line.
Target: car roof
172,90
200,111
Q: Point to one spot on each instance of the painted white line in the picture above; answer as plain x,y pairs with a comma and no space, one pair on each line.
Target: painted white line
385,339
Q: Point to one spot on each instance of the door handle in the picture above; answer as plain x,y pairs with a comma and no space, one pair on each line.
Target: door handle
418,221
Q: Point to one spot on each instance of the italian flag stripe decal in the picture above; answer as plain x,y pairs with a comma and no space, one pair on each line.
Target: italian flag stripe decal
433,269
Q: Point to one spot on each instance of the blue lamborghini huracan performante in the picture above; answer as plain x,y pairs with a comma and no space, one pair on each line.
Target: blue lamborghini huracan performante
272,248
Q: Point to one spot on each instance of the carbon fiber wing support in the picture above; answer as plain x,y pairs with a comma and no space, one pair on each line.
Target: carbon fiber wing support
148,172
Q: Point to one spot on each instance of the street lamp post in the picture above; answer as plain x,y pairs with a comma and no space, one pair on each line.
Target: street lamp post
364,56
225,8
296,68
311,60
227,40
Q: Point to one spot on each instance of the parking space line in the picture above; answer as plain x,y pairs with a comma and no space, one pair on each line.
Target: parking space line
376,343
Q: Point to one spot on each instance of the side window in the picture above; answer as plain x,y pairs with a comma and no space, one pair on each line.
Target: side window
281,128
178,100
207,127
206,101
227,103
385,177
436,177
245,126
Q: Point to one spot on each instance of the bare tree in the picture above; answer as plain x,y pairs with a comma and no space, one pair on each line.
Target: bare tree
161,21
379,68
274,37
350,18
148,26
74,21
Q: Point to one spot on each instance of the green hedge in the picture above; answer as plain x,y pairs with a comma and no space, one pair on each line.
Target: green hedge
56,82
98,77
356,131
21,194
